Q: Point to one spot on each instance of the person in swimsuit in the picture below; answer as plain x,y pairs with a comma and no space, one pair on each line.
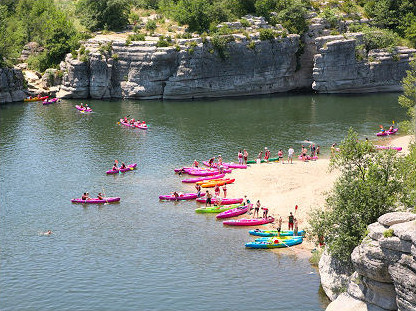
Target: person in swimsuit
211,161
219,160
217,190
280,155
198,190
196,164
279,225
224,189
265,212
100,196
291,218
318,150
208,200
290,153
266,154
115,168
313,151
240,157
256,209
245,154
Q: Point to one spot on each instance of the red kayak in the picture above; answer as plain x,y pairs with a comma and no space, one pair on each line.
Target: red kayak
249,222
235,211
225,201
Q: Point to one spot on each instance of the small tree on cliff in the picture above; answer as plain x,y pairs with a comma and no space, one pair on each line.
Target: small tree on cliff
369,186
408,99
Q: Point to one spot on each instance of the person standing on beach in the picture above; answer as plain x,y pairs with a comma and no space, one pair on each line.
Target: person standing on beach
295,227
290,153
280,155
256,209
246,201
219,160
208,199
291,218
279,224
313,150
196,164
265,211
245,154
198,190
266,154
224,189
240,157
217,190
318,150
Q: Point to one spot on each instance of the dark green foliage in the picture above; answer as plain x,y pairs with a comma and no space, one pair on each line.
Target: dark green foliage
376,38
293,17
220,43
371,184
408,98
330,16
104,14
136,37
151,25
164,41
266,34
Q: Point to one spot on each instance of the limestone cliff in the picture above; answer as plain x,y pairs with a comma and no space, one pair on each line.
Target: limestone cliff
385,268
11,85
142,70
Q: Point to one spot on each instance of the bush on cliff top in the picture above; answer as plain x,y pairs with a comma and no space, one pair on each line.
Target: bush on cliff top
371,184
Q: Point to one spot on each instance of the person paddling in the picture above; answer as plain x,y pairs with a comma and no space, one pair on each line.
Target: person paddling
123,166
100,196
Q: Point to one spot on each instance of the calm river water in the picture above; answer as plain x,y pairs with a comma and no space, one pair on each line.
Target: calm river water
142,254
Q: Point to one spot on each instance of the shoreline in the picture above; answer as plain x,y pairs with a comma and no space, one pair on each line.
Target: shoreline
280,187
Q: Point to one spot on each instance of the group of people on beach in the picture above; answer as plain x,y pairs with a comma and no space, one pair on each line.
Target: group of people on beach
314,151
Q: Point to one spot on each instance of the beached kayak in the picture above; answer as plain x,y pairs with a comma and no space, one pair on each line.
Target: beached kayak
308,158
206,172
35,99
240,210
50,101
197,179
283,238
129,167
388,148
229,165
385,133
214,183
135,124
216,209
223,201
270,233
249,221
96,200
276,243
83,109
263,161
182,196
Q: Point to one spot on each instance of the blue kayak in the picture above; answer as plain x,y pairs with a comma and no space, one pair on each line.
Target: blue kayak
274,243
269,233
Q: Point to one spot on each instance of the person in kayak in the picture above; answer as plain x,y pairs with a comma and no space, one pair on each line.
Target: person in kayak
256,209
176,195
123,166
224,189
245,154
100,196
85,196
115,168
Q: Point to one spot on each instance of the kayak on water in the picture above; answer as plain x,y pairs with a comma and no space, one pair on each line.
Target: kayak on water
263,161
142,126
197,179
385,133
83,109
96,200
239,210
128,168
275,243
50,101
35,99
181,196
216,209
388,148
225,201
249,221
271,233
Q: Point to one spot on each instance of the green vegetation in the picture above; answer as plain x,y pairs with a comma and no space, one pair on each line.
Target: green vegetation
164,41
371,184
266,34
388,233
220,45
136,37
316,256
408,99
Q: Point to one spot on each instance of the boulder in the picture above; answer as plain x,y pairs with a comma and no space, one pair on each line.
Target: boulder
393,218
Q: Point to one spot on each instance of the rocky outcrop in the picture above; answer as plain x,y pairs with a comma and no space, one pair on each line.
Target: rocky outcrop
385,267
194,70
343,66
12,85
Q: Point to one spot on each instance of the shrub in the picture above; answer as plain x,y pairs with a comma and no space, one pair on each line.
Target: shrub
330,16
151,25
244,22
136,37
252,45
115,56
164,41
316,256
266,34
388,233
220,44
106,48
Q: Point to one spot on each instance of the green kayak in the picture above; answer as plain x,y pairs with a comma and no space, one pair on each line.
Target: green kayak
216,209
263,161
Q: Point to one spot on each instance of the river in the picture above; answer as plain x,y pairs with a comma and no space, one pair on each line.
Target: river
142,254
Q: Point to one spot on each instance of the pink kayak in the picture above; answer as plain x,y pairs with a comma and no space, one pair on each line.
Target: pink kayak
50,101
225,201
248,222
96,200
83,109
191,168
388,148
129,167
194,180
207,172
225,165
135,124
183,196
385,133
235,211
308,158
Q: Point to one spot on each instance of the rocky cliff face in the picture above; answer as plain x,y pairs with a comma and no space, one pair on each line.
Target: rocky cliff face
141,70
385,268
342,66
11,85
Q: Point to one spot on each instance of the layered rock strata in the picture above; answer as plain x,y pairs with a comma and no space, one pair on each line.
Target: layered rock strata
385,267
12,85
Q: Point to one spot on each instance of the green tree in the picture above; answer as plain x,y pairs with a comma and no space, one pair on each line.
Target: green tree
370,185
193,13
103,14
408,98
293,17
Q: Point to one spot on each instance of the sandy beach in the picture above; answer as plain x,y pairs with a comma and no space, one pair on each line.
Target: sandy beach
280,187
